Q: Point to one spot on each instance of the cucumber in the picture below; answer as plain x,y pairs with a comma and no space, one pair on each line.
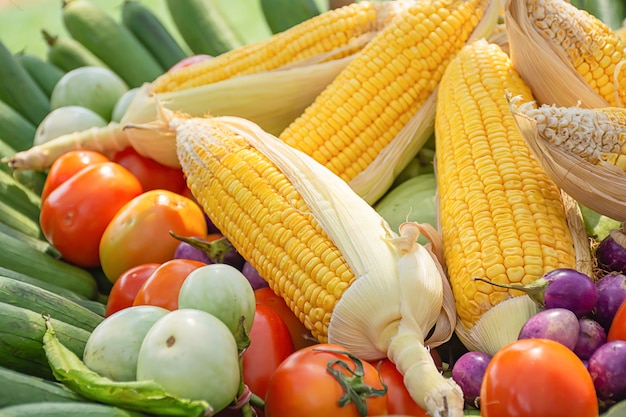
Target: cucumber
210,33
17,131
19,90
20,257
110,41
15,194
284,14
151,32
70,295
18,388
66,409
42,301
32,180
38,243
17,221
21,340
45,74
96,307
69,54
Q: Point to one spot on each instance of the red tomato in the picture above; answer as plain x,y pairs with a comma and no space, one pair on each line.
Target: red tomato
302,385
299,334
150,173
270,344
140,231
537,378
162,287
66,166
399,399
617,331
125,289
75,214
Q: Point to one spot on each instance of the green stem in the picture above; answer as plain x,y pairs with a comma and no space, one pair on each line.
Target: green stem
246,410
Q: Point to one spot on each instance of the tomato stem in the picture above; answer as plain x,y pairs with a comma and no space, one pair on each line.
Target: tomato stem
353,384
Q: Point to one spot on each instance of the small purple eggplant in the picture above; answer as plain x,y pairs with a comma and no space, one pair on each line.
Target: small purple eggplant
558,324
591,336
611,293
611,252
216,251
253,276
560,288
468,372
607,367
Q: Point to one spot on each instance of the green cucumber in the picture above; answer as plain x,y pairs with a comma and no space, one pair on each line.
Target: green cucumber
32,180
203,26
151,32
66,409
19,90
21,340
110,41
17,195
42,301
38,243
17,131
19,256
17,221
284,14
70,295
45,74
68,54
19,388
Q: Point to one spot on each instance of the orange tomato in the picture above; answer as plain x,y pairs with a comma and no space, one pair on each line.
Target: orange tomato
140,232
66,166
537,378
125,289
617,331
75,215
162,287
151,174
400,401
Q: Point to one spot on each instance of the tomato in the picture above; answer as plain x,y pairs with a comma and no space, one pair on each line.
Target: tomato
537,378
399,399
617,331
163,286
113,346
75,215
127,286
303,386
66,166
140,231
270,344
300,335
150,173
191,354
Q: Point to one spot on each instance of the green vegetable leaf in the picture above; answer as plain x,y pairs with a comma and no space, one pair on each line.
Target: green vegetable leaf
143,396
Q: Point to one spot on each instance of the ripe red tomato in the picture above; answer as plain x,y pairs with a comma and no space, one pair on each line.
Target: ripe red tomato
617,331
162,287
300,335
400,401
66,166
76,213
150,173
125,289
303,386
140,231
538,378
270,344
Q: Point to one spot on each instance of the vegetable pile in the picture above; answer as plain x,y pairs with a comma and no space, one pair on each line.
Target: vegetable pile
382,208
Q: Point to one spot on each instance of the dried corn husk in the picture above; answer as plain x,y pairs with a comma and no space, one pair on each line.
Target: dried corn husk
543,65
599,187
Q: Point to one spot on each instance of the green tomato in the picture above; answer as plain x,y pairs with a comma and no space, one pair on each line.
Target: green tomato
193,355
223,291
113,347
65,120
96,88
122,104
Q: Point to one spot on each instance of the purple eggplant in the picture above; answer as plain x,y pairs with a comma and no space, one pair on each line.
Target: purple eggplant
253,276
558,324
216,251
591,335
611,252
611,293
560,288
607,367
468,372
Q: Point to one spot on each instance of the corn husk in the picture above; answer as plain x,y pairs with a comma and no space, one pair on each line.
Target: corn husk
599,187
400,291
544,66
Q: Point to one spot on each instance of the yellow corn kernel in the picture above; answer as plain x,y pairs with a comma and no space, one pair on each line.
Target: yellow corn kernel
502,218
596,135
322,34
595,51
384,86
258,209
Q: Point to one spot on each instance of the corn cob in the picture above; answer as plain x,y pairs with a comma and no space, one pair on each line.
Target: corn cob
270,82
375,116
501,216
348,277
565,54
